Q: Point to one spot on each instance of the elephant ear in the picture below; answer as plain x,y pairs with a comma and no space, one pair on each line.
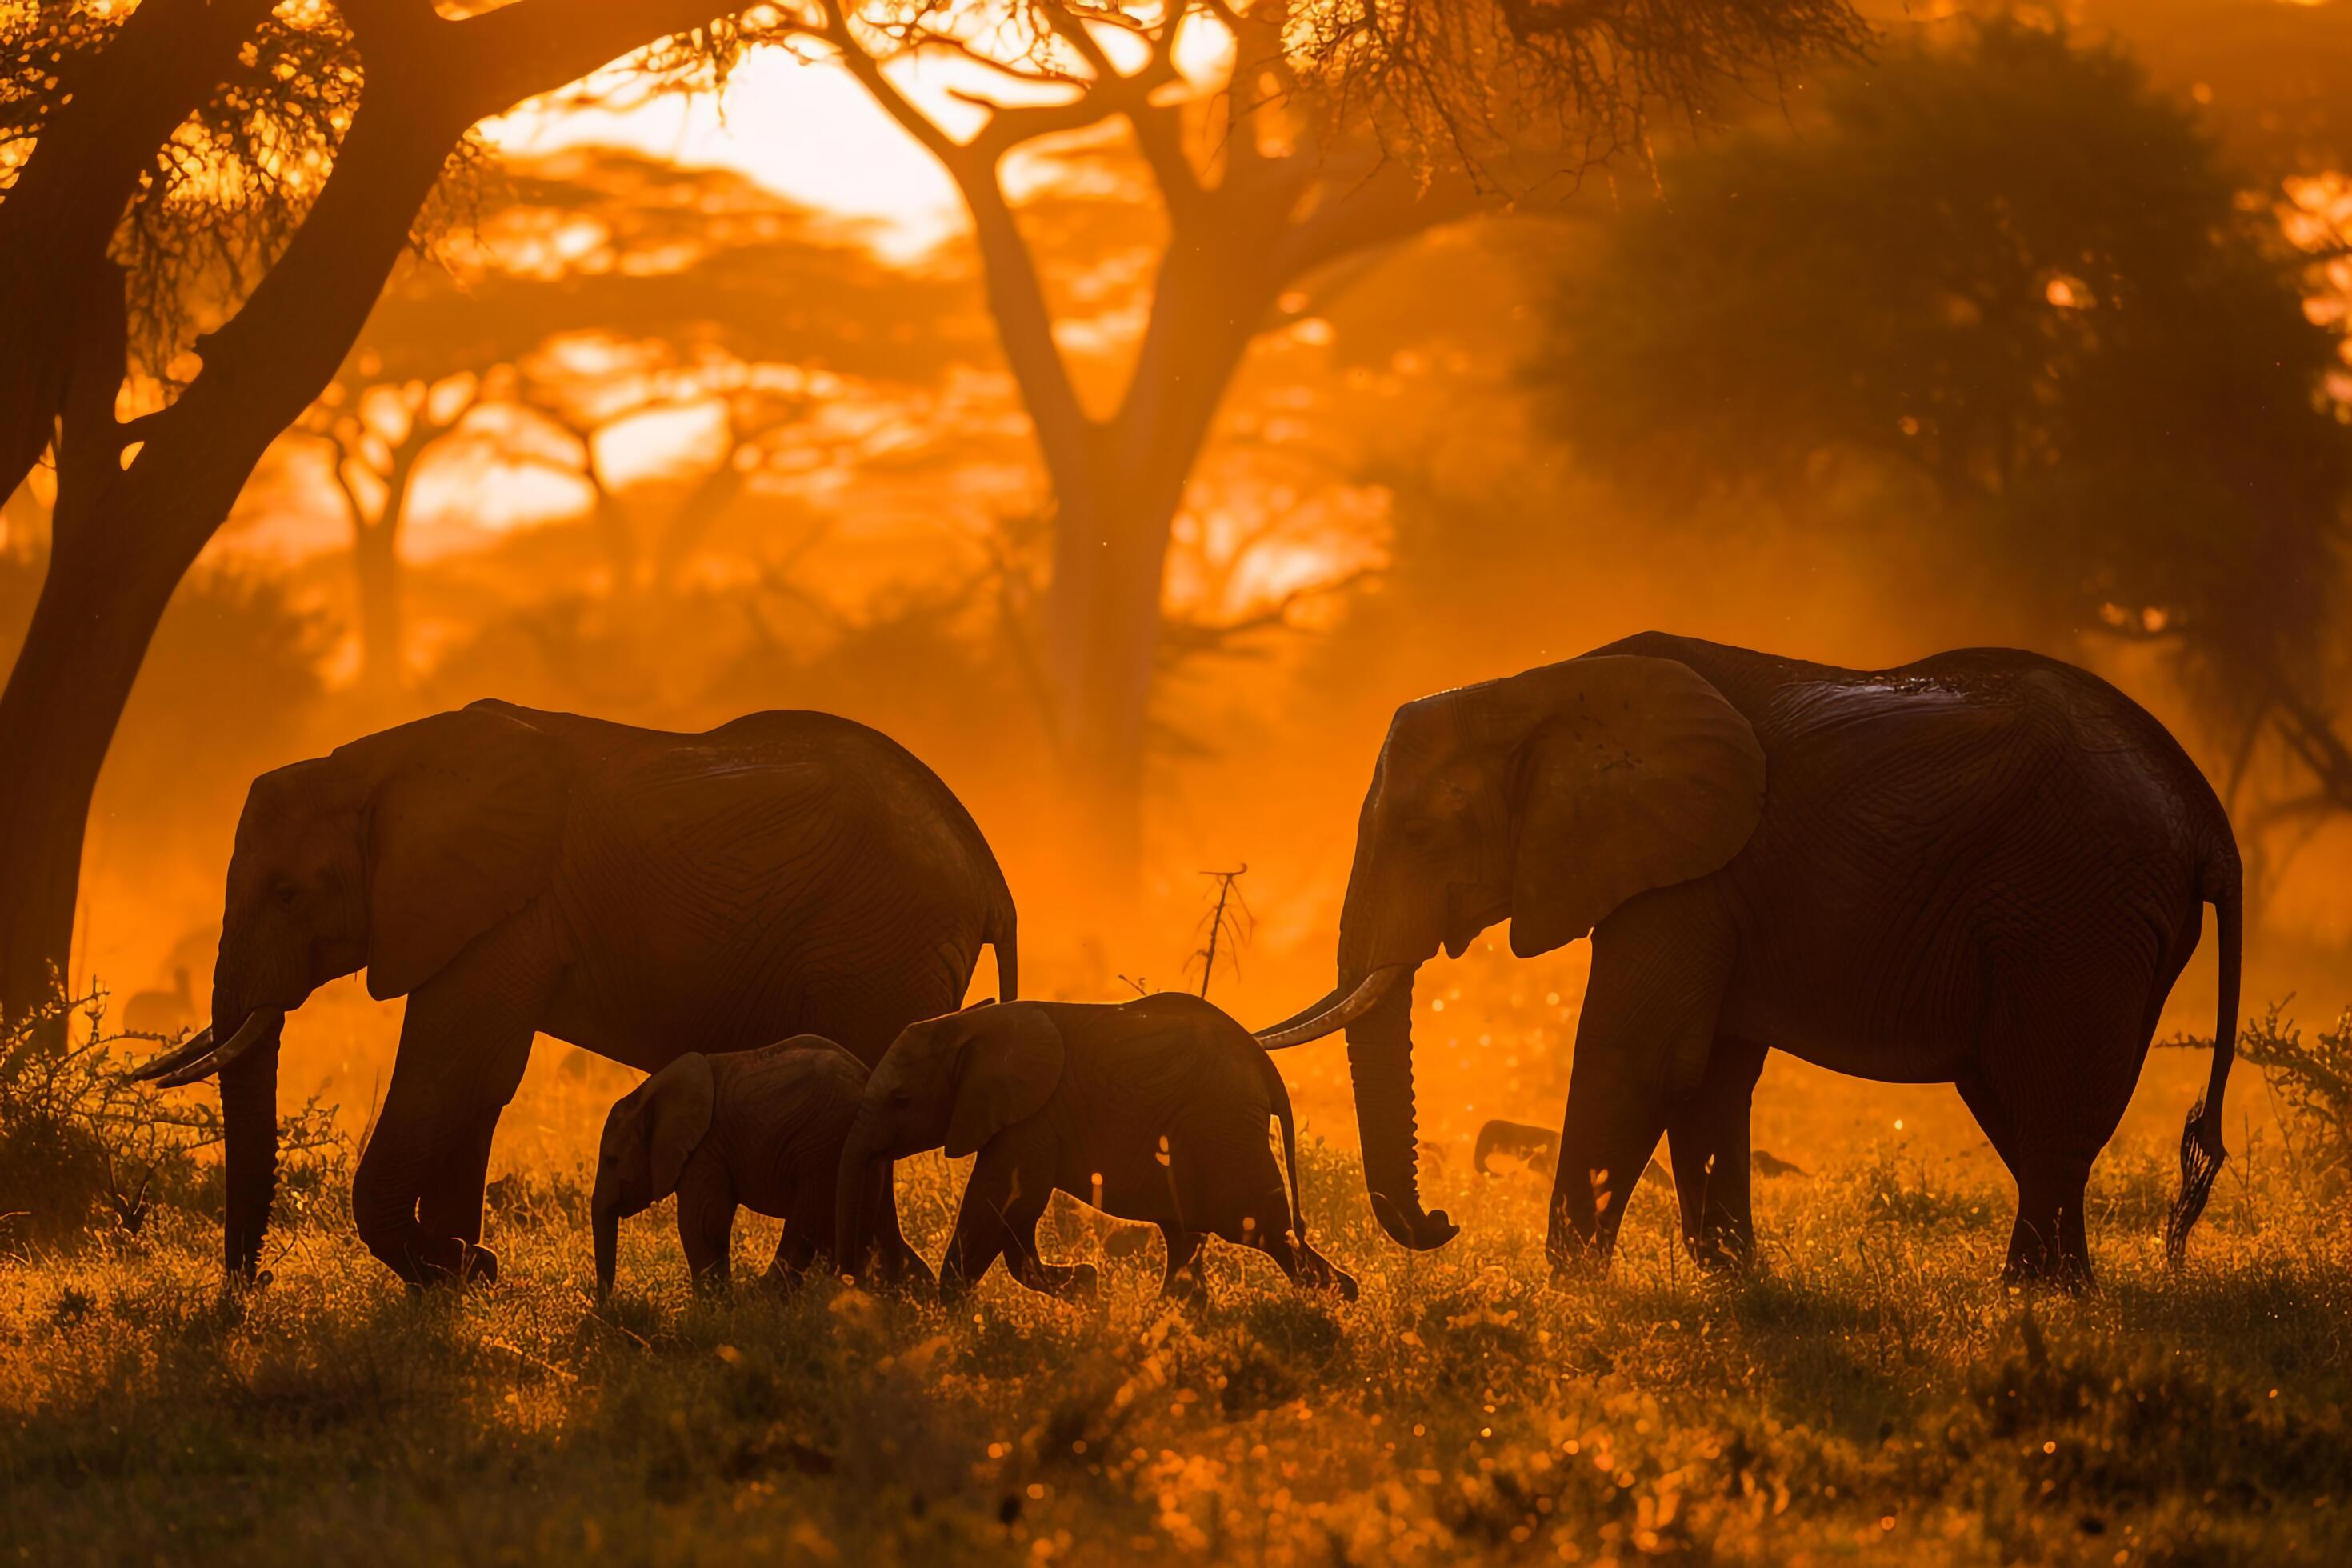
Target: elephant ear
679,1104
462,828
1008,1068
1635,774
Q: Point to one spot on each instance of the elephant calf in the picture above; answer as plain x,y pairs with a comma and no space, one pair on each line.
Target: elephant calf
1154,1111
761,1129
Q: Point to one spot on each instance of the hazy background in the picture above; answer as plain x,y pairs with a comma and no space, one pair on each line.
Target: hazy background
701,411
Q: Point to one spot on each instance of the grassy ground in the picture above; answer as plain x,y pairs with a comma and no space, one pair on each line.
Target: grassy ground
1872,1391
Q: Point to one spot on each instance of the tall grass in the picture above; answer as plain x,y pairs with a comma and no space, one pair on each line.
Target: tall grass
1871,1389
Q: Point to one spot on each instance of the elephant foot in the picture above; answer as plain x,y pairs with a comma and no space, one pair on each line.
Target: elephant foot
1340,1283
455,1262
1186,1289
2064,1274
1576,1262
1070,1282
903,1265
1721,1258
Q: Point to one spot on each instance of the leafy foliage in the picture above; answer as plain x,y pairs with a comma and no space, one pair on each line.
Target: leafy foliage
2313,1077
2004,294
231,184
1474,84
79,1143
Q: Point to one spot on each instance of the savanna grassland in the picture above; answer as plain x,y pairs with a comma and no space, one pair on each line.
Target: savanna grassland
1873,1390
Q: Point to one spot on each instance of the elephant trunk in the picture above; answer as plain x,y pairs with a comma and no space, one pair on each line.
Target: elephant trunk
852,1187
248,1091
606,1217
1380,1061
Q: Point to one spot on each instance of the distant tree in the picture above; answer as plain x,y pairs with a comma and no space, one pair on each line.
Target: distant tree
1325,134
258,173
2004,293
376,431
699,287
240,167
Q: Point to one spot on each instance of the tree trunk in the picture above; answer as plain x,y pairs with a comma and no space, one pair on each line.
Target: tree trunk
1102,644
122,537
1112,527
375,563
90,628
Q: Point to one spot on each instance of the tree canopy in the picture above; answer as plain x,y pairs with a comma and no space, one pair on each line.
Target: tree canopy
2007,293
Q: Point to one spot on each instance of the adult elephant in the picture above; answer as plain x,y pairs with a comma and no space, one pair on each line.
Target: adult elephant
1986,868
640,893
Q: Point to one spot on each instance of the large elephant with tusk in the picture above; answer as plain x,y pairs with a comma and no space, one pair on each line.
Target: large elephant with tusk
640,893
1986,868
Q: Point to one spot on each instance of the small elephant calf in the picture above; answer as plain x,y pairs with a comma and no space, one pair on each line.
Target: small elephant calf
761,1129
1154,1110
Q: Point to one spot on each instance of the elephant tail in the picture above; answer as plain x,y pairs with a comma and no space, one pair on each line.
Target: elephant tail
2201,1152
1002,924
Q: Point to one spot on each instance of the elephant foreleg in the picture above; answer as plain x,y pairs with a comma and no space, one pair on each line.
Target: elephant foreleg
417,1195
451,1203
1643,1047
796,1253
705,1223
1604,1146
1029,1265
979,1233
894,1258
1183,1265
1707,1139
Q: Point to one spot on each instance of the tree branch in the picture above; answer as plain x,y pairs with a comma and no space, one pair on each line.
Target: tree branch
1383,207
860,63
1024,325
62,208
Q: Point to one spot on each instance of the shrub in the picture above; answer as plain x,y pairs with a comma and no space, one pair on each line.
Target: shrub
2313,1078
83,1146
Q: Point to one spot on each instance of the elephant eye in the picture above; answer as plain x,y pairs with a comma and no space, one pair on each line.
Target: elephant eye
286,892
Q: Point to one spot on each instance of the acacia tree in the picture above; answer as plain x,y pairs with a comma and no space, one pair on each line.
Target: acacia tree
376,432
2061,342
1326,133
331,130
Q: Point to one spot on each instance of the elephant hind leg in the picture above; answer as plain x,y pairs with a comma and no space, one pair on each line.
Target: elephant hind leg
2054,1085
2000,1129
2048,1243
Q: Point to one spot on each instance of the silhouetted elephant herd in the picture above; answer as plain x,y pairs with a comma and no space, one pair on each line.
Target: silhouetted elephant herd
1986,868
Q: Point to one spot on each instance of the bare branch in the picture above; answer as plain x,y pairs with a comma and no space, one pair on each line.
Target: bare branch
861,63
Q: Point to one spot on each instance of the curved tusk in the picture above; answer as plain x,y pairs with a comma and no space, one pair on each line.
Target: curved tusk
261,1024
1370,990
197,1044
1314,1009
